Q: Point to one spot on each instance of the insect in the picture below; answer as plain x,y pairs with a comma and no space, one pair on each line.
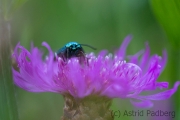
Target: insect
73,49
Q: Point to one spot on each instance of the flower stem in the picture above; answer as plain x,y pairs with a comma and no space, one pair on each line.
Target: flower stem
8,108
88,108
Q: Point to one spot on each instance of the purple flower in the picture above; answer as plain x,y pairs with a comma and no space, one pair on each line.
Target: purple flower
114,76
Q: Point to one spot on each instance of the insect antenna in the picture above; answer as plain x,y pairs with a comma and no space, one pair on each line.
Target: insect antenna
88,46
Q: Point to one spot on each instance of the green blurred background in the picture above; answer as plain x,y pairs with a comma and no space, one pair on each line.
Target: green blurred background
100,23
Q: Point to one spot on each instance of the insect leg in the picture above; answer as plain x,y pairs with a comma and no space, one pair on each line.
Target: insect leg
84,58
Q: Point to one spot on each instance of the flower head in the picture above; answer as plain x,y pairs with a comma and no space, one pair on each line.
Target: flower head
114,76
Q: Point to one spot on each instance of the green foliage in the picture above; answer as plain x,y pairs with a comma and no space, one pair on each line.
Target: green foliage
8,108
168,14
15,5
10,6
